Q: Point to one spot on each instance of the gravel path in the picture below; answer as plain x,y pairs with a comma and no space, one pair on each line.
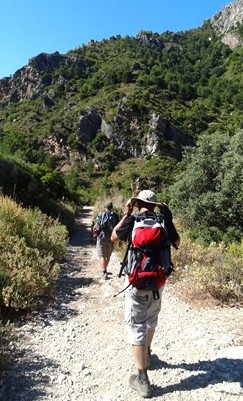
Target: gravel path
76,350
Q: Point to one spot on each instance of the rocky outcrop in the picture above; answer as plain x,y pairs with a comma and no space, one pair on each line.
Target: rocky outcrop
165,139
128,133
133,138
89,124
151,39
226,22
34,79
28,82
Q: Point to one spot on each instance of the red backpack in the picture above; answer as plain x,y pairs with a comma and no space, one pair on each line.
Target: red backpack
148,261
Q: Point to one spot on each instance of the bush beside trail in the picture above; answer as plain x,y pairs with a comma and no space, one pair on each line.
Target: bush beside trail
31,245
211,271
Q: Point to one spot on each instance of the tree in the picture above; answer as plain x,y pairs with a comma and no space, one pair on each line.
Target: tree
209,191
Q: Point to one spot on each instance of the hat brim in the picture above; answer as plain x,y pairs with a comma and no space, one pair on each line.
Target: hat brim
134,200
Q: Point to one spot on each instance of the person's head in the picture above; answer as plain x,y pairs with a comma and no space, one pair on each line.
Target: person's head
109,205
146,199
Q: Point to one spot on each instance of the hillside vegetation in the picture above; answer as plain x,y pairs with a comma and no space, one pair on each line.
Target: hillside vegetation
160,111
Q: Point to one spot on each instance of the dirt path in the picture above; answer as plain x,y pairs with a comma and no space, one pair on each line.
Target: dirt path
76,350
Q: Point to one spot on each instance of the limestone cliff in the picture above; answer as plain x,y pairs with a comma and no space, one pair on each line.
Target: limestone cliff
227,21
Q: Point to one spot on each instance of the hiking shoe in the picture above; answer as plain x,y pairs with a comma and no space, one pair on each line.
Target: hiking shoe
141,386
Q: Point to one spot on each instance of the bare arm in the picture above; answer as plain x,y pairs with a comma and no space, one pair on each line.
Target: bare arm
127,212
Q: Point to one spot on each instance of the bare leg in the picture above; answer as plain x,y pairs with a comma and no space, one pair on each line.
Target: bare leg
107,260
103,263
140,353
150,336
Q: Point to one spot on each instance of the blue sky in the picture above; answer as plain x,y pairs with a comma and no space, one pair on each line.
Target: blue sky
30,27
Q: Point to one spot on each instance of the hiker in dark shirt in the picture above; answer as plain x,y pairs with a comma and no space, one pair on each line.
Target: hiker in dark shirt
104,224
141,307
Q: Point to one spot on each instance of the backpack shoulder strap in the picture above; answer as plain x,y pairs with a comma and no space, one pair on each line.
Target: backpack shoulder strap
103,217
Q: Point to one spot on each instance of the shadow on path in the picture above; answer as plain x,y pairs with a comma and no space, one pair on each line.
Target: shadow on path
72,276
82,235
25,379
204,373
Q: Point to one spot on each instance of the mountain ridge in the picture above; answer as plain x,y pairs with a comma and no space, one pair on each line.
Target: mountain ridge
223,21
123,98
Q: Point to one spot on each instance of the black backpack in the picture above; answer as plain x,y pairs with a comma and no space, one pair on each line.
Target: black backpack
105,222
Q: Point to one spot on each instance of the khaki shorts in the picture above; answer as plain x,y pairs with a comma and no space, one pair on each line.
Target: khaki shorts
104,247
141,313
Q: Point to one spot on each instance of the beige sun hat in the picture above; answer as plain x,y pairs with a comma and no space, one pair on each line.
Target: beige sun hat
146,196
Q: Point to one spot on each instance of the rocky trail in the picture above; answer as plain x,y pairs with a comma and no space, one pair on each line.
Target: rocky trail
76,349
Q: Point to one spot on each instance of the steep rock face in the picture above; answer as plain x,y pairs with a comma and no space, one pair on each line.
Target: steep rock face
227,20
89,124
32,80
165,139
127,132
134,138
27,82
123,131
134,132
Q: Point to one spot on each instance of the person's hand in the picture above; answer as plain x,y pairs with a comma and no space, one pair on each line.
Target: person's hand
128,207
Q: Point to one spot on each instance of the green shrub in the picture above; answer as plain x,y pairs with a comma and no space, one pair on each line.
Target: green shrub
27,275
45,234
235,249
12,217
208,193
39,230
214,269
31,246
61,211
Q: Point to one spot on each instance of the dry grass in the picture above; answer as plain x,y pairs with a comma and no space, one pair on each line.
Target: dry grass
210,272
